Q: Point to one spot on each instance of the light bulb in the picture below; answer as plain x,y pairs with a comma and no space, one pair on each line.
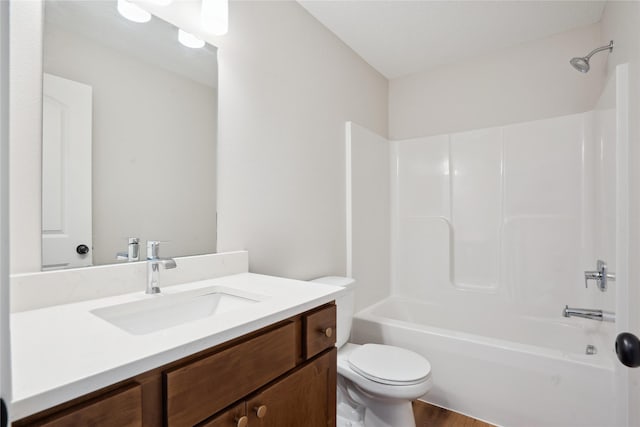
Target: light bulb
189,40
214,16
133,12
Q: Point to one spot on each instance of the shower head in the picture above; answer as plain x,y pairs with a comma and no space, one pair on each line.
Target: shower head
582,63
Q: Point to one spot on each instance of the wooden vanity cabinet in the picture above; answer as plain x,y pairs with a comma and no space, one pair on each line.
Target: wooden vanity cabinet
233,417
283,375
319,330
122,407
307,397
199,389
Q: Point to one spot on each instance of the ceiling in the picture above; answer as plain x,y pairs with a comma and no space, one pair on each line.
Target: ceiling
405,37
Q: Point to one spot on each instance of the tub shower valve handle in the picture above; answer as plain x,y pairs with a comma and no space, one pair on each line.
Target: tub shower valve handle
601,276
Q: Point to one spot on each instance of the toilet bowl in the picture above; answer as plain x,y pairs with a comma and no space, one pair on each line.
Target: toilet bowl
376,383
384,380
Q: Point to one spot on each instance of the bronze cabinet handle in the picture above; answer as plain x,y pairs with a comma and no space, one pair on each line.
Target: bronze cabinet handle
261,410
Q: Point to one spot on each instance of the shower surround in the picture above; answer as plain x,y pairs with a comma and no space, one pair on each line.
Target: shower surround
509,216
491,233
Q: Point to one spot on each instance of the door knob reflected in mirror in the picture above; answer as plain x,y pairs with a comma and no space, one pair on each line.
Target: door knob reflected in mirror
82,249
628,349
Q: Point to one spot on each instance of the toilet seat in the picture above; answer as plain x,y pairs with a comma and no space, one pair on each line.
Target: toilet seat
389,365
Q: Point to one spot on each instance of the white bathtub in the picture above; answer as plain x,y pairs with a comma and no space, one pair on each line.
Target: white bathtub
482,366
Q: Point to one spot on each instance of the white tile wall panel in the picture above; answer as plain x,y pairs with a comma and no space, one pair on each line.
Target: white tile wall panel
476,207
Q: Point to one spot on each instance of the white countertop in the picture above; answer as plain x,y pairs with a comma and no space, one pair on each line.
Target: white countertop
63,352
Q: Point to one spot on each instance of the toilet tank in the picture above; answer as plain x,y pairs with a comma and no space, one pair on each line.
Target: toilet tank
344,305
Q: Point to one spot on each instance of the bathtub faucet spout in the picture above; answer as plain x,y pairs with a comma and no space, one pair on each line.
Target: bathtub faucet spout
587,313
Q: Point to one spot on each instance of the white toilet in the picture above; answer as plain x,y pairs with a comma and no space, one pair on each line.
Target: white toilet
376,383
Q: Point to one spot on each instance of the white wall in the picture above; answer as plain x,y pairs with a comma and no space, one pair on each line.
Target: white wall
5,341
154,151
368,214
25,85
287,87
620,22
526,82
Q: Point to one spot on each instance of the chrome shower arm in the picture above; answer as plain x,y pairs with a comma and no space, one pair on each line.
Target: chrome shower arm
600,49
582,63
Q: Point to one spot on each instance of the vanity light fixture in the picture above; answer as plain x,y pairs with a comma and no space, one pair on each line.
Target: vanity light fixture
133,12
214,16
189,40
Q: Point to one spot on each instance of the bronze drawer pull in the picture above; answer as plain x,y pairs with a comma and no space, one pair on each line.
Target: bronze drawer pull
261,411
327,332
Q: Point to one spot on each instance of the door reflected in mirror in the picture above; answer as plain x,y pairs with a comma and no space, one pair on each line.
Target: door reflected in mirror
129,137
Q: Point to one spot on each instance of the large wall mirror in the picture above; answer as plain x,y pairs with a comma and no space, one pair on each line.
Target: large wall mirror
129,137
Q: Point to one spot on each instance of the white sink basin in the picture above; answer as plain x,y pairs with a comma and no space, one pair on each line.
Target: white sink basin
165,311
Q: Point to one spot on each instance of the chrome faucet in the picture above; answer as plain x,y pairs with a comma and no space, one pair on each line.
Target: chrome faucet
153,266
587,313
601,276
133,251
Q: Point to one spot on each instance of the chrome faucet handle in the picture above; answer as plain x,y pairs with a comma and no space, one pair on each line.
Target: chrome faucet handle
133,246
153,254
133,250
153,249
153,266
601,276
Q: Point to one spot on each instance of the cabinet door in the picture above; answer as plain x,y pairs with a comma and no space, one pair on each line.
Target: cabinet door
307,397
234,417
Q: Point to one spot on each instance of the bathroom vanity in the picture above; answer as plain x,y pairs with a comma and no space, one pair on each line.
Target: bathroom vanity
276,376
272,363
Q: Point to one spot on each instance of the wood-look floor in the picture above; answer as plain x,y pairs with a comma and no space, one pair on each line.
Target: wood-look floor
433,416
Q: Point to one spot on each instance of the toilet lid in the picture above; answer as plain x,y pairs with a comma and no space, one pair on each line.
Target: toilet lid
389,365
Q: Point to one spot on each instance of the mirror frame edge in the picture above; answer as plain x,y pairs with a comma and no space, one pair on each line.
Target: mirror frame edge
5,342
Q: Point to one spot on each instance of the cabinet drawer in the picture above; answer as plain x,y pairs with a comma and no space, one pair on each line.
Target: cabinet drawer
122,407
230,418
304,398
319,330
200,389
